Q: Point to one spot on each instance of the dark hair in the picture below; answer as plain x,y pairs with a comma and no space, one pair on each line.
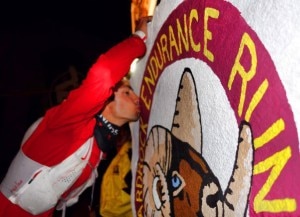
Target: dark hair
114,89
112,96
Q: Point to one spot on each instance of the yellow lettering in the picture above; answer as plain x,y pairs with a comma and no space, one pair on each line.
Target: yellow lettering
269,134
182,37
209,12
154,67
238,68
256,99
140,212
150,81
144,98
143,127
193,15
276,164
164,46
173,43
139,184
163,60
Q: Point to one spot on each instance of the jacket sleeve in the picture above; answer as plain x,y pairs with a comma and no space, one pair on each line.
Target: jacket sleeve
84,102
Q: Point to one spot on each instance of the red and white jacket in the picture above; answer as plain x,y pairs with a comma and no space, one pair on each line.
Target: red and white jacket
58,161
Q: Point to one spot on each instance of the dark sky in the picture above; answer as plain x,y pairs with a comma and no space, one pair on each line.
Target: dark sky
105,19
39,40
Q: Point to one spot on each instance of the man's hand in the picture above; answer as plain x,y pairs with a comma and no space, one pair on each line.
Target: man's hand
142,24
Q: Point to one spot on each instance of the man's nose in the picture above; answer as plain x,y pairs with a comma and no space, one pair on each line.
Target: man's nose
136,99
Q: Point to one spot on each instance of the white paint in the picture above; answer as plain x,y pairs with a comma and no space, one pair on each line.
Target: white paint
219,126
277,25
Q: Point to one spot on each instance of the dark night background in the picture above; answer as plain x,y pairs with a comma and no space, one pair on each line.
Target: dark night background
38,42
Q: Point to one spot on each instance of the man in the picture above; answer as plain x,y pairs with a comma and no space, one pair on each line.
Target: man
60,153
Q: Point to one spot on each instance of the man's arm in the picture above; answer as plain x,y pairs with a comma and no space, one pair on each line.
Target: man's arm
84,102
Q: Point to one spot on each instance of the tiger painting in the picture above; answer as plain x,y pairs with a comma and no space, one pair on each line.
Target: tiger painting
177,179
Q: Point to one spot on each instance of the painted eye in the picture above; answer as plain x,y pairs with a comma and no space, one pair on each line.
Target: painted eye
176,181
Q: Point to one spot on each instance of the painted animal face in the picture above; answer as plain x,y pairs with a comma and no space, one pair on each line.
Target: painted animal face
178,181
201,191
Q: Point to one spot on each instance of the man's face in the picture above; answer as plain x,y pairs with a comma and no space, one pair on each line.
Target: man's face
126,103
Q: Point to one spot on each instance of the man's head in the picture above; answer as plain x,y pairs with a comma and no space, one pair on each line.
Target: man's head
123,106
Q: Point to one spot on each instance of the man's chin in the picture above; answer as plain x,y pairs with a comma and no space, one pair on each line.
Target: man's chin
137,117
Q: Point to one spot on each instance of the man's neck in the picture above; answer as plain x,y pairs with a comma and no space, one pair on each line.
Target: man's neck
107,114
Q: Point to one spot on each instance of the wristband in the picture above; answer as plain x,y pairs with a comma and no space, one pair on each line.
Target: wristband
140,34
